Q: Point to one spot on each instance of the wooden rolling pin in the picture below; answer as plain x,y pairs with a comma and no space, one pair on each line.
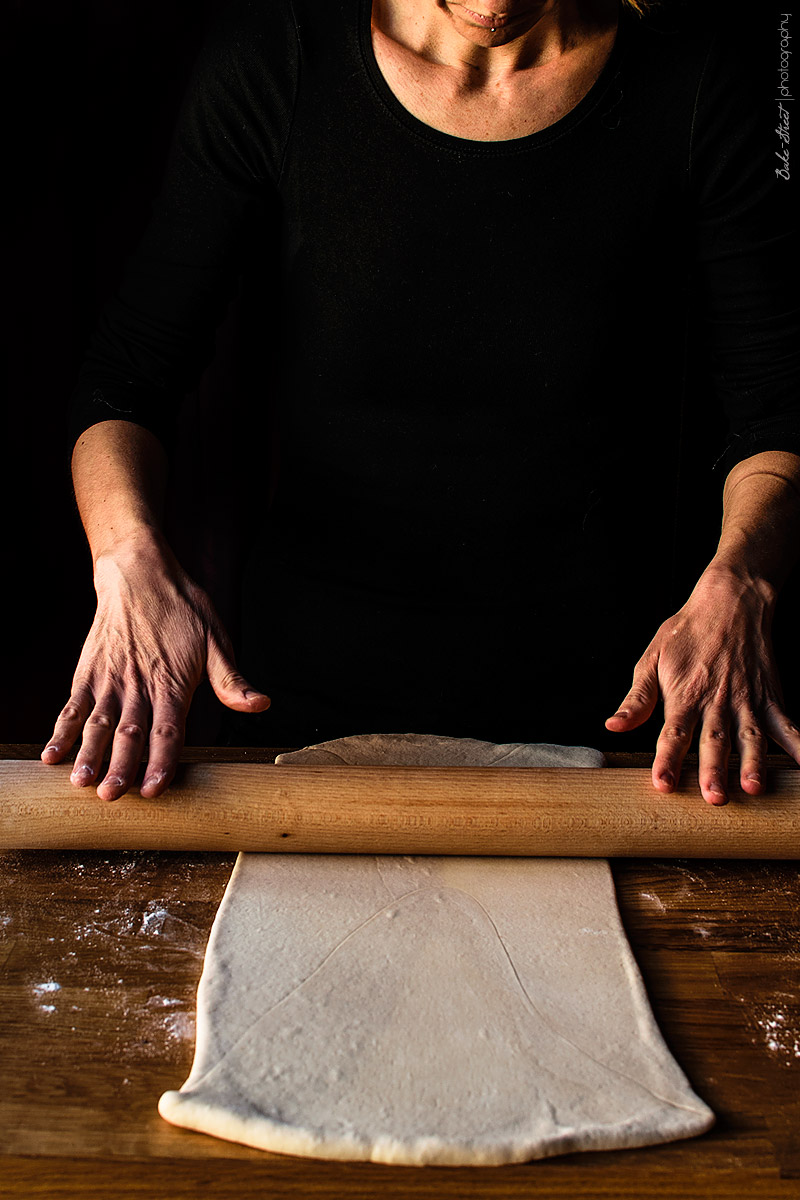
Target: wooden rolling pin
576,812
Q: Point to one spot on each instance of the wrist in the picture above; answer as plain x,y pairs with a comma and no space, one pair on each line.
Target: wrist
142,547
733,576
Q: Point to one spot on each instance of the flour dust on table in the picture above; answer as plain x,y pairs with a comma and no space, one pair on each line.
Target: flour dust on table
428,1010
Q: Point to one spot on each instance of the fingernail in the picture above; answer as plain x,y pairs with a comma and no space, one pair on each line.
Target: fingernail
113,781
81,773
154,779
668,778
623,712
52,746
754,778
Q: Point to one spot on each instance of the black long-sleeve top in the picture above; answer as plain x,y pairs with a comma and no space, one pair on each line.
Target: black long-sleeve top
478,362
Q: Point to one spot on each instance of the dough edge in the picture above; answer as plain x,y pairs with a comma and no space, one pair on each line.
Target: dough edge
259,1132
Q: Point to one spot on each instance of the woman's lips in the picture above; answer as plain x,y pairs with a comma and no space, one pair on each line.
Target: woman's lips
488,21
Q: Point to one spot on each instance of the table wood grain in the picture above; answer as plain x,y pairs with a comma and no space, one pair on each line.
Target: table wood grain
100,954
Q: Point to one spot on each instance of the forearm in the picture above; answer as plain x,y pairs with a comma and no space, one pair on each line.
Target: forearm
119,472
760,536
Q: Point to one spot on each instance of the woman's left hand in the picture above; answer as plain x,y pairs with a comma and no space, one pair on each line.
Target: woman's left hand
713,666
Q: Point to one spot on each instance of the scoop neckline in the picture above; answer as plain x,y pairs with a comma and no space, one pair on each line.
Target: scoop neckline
451,141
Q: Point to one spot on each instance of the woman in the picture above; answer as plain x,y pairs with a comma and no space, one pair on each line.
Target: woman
488,225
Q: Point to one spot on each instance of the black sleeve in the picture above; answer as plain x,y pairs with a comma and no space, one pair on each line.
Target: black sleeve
745,242
157,335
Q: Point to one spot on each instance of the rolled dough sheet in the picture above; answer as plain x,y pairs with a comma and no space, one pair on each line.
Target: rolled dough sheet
433,1010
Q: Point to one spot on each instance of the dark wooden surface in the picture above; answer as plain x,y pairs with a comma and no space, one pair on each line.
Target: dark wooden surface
100,954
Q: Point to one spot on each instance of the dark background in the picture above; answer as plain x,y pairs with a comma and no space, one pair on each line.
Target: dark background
93,91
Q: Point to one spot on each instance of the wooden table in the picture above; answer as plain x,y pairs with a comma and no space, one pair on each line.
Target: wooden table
99,962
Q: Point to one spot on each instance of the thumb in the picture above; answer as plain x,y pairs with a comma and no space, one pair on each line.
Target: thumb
229,685
640,701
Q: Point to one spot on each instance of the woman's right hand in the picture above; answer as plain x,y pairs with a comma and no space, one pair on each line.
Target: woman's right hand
154,636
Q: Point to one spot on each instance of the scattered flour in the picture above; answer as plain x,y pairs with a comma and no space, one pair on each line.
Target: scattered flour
780,1033
44,992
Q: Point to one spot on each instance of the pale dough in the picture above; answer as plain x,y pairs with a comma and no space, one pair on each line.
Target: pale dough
428,1009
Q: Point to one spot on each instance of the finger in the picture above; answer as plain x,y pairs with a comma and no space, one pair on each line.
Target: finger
126,751
68,725
673,742
97,733
230,686
752,754
782,730
713,752
638,705
166,742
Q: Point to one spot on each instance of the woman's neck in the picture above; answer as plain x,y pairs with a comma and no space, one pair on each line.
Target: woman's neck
498,37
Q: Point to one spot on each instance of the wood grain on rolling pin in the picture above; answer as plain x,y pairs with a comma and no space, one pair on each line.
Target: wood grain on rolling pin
608,812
